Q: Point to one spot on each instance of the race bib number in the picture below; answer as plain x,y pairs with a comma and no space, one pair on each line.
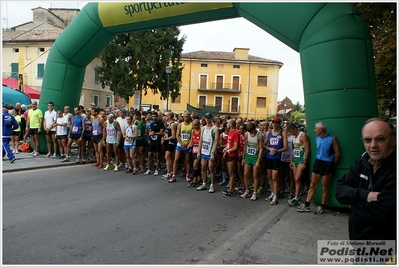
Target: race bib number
206,148
296,152
128,141
75,129
195,149
251,150
185,136
95,132
111,132
274,141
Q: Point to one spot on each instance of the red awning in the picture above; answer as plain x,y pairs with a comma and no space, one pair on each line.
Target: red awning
13,83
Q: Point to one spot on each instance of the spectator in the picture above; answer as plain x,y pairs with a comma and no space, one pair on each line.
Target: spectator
369,187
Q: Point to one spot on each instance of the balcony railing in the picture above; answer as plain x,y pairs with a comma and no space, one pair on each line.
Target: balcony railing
234,109
222,87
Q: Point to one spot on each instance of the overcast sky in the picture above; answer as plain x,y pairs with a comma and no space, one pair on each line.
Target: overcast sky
209,36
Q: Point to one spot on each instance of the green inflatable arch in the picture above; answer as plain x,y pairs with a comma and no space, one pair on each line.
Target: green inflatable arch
333,41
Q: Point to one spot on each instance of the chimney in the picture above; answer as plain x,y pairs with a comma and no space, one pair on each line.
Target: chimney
241,53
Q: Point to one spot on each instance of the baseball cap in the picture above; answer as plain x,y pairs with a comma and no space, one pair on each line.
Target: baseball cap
208,115
110,116
277,119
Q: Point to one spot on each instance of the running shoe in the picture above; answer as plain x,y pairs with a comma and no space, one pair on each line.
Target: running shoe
211,189
294,202
95,164
229,194
192,185
106,167
116,168
201,187
260,190
172,179
188,179
100,166
222,183
269,198
35,154
48,155
54,156
166,176
254,197
320,210
135,172
156,173
66,159
13,160
274,202
147,172
183,174
129,170
303,208
246,194
78,160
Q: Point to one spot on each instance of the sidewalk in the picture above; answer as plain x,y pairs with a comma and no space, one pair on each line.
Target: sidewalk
26,162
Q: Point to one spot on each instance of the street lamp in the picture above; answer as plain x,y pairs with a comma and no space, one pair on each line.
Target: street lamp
285,110
168,70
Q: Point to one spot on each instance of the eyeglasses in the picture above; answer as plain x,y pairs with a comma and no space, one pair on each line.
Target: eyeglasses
379,139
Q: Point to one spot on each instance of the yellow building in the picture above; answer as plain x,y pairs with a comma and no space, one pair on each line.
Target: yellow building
25,49
240,84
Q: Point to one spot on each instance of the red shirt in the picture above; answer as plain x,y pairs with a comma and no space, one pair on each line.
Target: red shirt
241,145
233,137
195,140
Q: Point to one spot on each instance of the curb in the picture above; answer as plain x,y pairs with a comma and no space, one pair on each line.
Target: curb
39,167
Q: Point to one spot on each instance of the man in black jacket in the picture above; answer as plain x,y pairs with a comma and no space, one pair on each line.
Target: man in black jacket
369,187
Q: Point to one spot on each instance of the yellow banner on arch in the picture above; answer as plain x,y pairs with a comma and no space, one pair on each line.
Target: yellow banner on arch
119,13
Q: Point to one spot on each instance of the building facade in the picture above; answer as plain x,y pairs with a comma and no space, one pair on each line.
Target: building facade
26,47
241,85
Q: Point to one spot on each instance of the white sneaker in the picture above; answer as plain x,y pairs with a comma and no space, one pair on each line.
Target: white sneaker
16,151
147,172
54,156
31,153
201,187
211,189
156,173
35,154
48,154
254,197
245,195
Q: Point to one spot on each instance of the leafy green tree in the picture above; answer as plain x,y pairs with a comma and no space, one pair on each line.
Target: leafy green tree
296,116
137,61
381,19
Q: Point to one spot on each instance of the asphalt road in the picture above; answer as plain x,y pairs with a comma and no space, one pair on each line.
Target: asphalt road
81,215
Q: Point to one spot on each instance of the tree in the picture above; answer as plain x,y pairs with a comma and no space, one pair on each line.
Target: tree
296,116
137,61
381,19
